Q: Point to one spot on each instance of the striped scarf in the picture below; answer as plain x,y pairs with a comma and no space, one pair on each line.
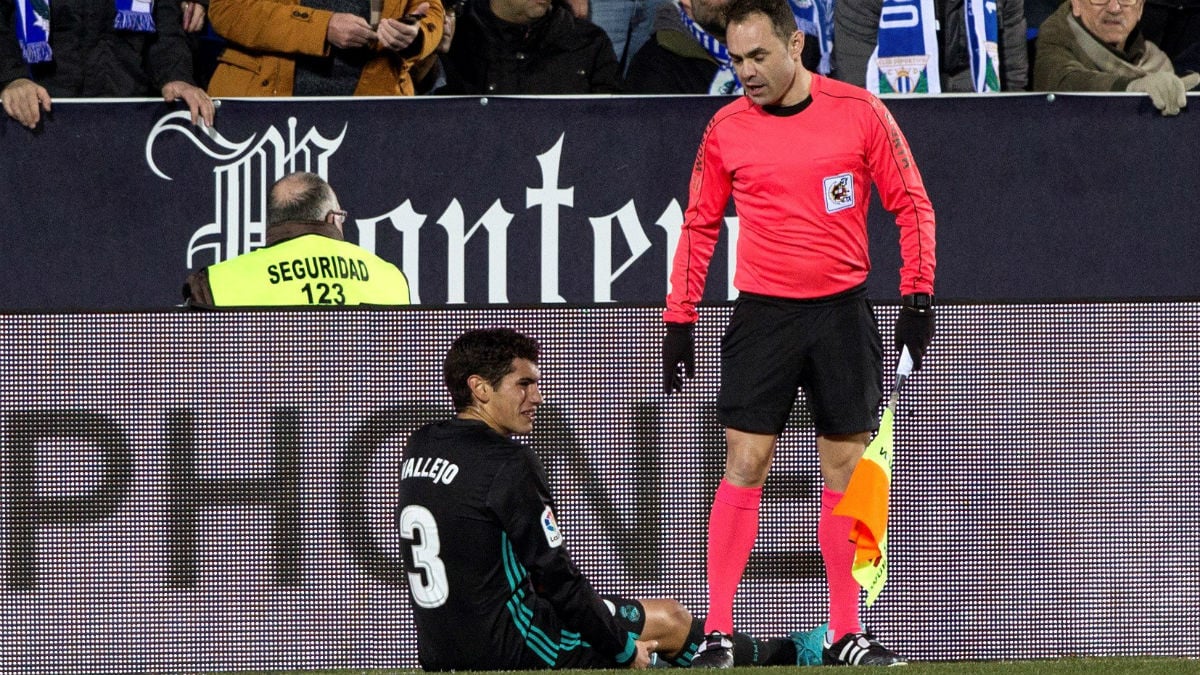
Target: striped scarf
905,60
815,18
33,24
725,82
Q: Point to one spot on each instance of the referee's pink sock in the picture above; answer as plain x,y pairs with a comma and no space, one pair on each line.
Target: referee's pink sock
833,535
732,529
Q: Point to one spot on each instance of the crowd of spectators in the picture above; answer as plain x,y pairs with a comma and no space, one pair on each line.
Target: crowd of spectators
193,50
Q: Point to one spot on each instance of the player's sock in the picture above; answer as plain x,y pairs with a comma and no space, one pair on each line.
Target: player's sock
751,651
695,636
833,534
732,528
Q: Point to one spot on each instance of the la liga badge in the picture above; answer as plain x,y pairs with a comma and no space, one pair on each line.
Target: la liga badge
550,527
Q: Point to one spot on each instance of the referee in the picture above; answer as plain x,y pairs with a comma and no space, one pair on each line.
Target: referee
798,154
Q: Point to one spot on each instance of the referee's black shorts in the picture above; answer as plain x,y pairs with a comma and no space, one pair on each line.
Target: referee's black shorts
828,347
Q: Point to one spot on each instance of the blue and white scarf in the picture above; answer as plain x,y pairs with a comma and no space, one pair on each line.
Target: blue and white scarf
983,34
33,24
135,15
815,17
905,60
725,82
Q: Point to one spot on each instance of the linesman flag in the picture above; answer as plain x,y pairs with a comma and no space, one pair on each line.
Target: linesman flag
866,498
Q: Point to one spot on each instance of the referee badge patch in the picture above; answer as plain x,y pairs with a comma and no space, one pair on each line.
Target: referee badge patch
550,527
839,192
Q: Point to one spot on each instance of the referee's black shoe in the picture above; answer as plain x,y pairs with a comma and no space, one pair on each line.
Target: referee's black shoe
860,649
715,652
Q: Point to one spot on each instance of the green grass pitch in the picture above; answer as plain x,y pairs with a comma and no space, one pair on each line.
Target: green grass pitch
1065,666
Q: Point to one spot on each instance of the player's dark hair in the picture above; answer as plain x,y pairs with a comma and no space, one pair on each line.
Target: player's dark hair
488,353
783,21
299,196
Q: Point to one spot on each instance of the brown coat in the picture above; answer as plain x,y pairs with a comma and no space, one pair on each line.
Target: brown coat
1070,58
263,36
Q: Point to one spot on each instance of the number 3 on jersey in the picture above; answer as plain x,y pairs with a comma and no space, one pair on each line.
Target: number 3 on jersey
428,585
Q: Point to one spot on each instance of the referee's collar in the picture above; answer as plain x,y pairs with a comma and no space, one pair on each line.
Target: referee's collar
788,110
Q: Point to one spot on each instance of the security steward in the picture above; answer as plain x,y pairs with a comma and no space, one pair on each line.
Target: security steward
306,260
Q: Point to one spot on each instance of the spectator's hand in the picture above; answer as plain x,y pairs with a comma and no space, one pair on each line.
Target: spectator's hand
1167,92
679,349
645,650
579,8
914,327
24,100
448,24
197,101
347,31
396,35
193,16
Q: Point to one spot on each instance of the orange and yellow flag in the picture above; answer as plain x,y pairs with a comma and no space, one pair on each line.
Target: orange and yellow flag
866,498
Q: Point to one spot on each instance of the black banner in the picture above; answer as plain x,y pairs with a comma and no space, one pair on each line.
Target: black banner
575,200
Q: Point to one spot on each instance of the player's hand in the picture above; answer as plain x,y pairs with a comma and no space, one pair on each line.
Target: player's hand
914,326
679,349
645,651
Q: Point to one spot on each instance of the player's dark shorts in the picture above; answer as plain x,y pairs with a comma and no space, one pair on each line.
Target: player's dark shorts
828,347
631,617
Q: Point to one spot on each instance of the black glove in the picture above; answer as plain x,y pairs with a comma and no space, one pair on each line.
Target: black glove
679,348
914,326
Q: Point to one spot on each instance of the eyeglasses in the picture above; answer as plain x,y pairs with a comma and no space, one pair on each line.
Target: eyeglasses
1105,3
339,216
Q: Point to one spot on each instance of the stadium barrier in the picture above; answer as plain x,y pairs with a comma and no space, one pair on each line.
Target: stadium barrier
570,201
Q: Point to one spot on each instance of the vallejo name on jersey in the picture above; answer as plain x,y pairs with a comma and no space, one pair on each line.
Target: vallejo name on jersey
434,468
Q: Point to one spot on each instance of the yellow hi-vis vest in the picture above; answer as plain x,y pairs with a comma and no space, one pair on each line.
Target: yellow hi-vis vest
308,270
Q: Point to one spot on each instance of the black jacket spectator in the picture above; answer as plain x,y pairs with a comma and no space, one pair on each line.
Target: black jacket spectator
555,54
91,58
1174,25
671,61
